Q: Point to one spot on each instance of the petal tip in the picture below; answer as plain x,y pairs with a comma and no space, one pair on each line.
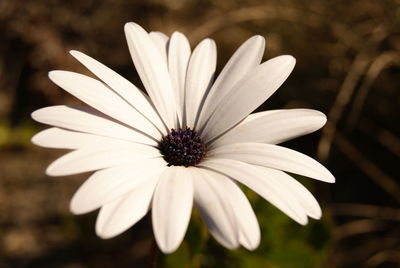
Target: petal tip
329,176
317,216
103,233
131,26
76,54
291,59
54,75
259,38
35,114
35,140
303,222
165,246
177,34
72,207
167,249
252,247
54,172
208,42
76,207
286,60
324,120
103,236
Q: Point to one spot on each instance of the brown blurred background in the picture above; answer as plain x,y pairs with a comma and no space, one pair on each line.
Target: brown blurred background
348,66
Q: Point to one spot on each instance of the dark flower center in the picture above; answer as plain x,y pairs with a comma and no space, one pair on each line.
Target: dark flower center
182,147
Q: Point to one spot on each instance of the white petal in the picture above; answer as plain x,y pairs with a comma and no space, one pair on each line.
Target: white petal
153,72
214,207
160,40
106,185
276,157
100,97
128,91
199,77
87,120
259,181
122,213
172,207
296,189
274,127
65,139
249,235
178,59
248,93
246,58
96,157
224,205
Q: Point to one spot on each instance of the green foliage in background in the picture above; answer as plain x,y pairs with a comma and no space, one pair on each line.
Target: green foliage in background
17,136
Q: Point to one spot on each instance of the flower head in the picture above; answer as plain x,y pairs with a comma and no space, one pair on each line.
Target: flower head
187,142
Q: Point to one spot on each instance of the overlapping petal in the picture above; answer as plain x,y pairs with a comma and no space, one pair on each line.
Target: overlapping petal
100,97
258,180
128,91
97,157
276,157
247,94
161,41
65,139
275,126
153,72
216,211
245,59
109,184
89,121
294,188
226,210
119,215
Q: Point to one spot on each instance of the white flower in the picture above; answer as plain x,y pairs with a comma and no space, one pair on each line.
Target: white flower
140,163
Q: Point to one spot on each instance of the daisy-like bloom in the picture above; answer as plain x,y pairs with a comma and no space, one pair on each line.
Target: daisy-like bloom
188,142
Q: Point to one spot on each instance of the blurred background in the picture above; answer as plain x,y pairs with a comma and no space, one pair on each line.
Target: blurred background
348,66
